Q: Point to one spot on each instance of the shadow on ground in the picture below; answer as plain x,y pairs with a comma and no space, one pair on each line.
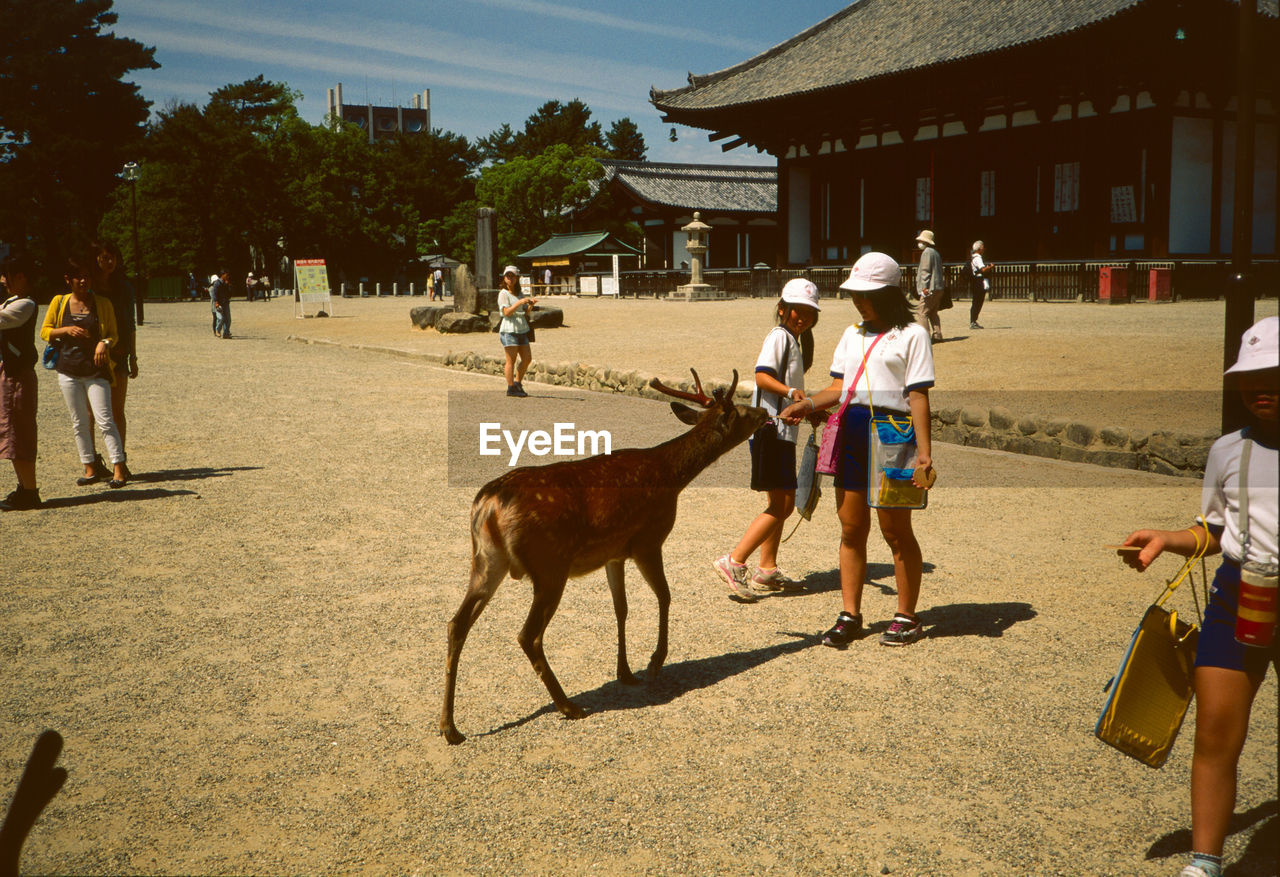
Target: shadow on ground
194,474
1259,857
121,495
675,680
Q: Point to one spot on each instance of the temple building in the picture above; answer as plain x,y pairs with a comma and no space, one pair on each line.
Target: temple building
1052,129
381,123
740,203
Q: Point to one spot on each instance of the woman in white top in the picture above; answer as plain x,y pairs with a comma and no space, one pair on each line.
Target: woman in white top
981,283
886,362
513,331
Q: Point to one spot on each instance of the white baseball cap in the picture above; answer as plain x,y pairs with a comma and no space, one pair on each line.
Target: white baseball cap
1259,347
799,291
871,272
511,269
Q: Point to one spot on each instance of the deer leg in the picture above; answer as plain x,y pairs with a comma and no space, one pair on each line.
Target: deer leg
547,590
650,565
488,569
615,571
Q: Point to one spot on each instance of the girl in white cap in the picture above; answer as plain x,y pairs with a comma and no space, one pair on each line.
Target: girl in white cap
1242,473
786,355
885,362
513,331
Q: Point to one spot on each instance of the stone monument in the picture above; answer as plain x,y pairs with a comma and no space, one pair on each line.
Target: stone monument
696,289
486,245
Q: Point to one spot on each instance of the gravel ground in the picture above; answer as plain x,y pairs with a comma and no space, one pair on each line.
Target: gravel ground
244,648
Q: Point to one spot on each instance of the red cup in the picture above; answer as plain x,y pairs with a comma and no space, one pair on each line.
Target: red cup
1256,608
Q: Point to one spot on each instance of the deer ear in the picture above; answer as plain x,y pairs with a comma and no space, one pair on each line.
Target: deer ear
685,414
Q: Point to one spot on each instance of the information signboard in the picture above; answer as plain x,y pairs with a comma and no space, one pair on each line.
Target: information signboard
311,280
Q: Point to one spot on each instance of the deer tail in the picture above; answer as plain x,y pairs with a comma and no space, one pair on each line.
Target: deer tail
489,538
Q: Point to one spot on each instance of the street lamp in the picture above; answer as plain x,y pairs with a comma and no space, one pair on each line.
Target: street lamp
131,172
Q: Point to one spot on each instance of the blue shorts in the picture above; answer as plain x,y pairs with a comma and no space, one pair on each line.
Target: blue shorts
851,460
514,339
1218,646
773,461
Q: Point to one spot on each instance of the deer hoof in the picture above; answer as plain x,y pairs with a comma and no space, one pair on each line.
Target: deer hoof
452,735
572,711
626,677
655,670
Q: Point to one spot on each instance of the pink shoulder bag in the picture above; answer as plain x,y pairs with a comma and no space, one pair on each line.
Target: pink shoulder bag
833,431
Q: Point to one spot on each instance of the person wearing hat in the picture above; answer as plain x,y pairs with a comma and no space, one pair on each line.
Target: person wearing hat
220,302
1242,473
513,331
785,356
885,362
930,285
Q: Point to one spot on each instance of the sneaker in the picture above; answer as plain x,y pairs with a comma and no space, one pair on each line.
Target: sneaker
846,629
903,630
774,580
735,576
974,326
1193,871
22,499
516,390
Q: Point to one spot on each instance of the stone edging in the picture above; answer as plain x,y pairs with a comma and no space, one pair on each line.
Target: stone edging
998,429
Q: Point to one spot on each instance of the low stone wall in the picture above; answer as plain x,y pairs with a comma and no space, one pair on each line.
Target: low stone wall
996,429
999,429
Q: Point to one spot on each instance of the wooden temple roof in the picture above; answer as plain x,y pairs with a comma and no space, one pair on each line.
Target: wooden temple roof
871,39
717,188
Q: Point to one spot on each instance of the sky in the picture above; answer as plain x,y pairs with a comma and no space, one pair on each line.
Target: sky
485,62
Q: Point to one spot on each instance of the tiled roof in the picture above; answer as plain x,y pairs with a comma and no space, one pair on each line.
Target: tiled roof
719,188
573,244
874,38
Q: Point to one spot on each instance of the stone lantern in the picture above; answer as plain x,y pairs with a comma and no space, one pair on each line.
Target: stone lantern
696,289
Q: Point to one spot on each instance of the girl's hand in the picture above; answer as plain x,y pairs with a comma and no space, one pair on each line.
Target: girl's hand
75,332
100,357
1153,543
923,461
796,411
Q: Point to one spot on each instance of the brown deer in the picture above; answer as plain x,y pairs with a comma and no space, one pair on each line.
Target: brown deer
568,519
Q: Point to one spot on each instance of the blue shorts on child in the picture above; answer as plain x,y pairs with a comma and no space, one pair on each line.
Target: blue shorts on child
1217,646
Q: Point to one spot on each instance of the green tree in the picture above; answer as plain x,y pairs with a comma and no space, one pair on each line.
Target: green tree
536,196
68,121
624,141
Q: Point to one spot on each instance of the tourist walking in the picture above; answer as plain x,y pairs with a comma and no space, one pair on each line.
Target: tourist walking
109,281
220,303
884,362
513,331
1239,513
18,388
980,283
930,285
785,356
83,327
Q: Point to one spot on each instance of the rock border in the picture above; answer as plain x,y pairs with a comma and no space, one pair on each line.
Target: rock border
997,429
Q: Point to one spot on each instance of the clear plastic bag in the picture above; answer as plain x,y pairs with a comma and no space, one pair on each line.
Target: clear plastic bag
891,451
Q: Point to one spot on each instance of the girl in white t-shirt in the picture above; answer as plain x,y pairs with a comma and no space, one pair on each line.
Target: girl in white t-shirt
513,331
1229,673
785,356
887,362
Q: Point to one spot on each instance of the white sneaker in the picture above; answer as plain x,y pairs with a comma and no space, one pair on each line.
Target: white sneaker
735,576
774,580
1193,871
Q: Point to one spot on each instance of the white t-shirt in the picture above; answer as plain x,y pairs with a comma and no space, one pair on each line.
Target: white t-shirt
516,323
781,357
902,361
1220,500
978,265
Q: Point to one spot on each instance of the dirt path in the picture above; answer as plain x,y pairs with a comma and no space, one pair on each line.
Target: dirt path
244,648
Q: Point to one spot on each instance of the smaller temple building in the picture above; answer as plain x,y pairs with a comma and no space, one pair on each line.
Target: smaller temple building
573,253
739,202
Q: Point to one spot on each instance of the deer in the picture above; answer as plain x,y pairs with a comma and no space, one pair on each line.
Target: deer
564,520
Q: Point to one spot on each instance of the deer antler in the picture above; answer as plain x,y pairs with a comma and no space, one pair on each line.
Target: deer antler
700,397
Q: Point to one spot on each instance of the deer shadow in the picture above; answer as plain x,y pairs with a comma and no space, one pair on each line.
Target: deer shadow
121,495
39,784
675,680
1259,857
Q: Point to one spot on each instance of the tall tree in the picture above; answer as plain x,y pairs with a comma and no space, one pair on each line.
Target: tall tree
624,141
68,121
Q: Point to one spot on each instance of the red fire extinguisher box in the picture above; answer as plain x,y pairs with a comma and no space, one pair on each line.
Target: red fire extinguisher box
1113,285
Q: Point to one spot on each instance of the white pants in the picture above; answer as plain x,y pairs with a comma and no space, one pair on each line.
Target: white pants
82,395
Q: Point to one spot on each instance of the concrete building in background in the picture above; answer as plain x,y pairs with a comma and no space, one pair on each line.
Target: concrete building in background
383,122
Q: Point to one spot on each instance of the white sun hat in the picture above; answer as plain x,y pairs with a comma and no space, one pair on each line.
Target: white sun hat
799,291
1259,347
871,272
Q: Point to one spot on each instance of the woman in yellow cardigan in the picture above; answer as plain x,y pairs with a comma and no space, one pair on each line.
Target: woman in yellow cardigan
83,328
